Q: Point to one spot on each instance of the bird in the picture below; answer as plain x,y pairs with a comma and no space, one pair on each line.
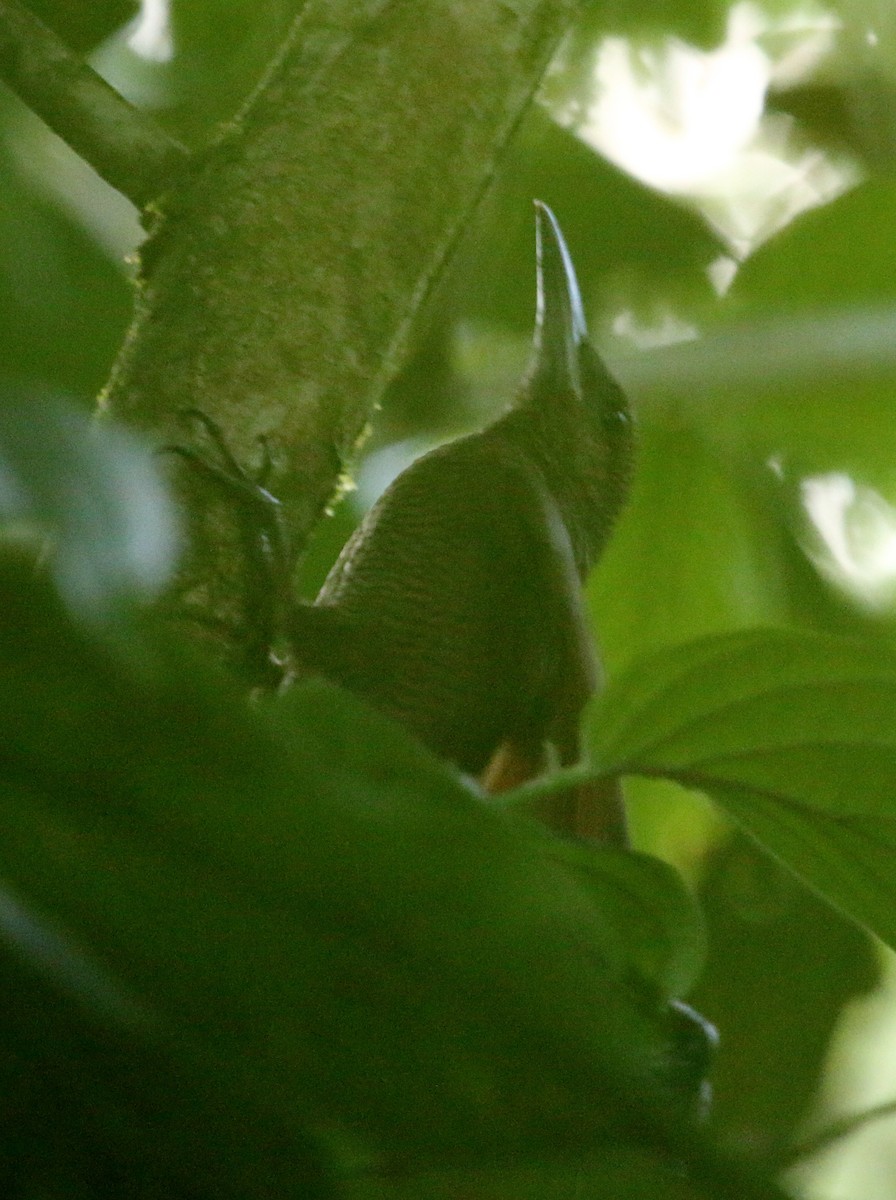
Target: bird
456,607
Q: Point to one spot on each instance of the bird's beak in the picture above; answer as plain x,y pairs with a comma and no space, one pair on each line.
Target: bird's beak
560,328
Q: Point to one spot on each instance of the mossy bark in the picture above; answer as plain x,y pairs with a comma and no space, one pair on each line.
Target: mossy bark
283,277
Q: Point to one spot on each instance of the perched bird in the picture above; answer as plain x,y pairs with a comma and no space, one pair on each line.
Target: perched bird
456,606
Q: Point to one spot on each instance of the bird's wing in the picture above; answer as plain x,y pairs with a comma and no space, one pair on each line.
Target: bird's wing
566,670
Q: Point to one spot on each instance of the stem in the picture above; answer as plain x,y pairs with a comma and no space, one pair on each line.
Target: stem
543,788
123,145
834,1132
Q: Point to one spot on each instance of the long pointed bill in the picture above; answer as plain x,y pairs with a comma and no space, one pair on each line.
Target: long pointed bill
560,327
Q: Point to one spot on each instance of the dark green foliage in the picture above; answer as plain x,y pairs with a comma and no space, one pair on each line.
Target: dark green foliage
81,26
793,733
64,305
246,931
276,949
763,925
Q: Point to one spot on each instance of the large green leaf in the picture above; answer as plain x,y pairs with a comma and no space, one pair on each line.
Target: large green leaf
707,554
320,923
856,233
652,925
793,732
83,25
618,1172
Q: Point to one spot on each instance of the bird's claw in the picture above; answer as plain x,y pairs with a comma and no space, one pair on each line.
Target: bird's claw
258,513
234,478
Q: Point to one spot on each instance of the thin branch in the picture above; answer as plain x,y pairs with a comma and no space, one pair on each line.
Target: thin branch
544,787
835,1132
123,145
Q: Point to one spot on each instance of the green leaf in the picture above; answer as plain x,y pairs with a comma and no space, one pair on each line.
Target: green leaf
83,25
65,303
92,493
800,963
619,1172
653,926
794,733
706,554
322,920
788,274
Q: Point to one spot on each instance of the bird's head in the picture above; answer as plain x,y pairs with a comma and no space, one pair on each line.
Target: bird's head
572,412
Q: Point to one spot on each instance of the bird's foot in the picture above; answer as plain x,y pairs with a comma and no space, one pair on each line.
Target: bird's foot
263,536
249,487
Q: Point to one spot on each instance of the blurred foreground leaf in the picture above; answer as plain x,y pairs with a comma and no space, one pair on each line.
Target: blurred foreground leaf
83,25
296,924
91,494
